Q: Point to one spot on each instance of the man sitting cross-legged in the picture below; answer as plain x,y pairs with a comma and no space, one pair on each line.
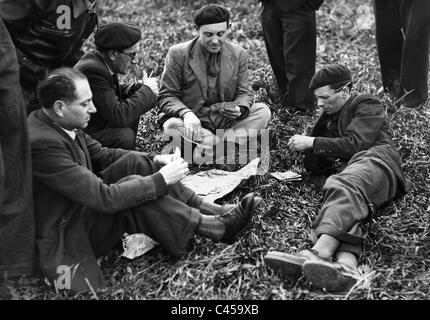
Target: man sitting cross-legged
352,128
205,88
87,196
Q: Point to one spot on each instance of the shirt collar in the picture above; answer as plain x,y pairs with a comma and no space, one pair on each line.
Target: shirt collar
71,133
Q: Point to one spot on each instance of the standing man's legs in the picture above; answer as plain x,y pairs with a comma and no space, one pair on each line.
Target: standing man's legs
17,226
290,39
403,38
389,42
415,55
274,39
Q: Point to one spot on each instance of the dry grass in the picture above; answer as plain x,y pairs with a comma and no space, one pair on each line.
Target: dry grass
396,257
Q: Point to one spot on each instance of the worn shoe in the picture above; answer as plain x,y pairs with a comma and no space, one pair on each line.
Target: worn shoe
290,265
329,276
237,221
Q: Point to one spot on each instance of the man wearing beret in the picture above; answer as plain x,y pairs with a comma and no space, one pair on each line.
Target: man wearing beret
86,196
47,34
119,107
403,42
205,86
351,144
289,30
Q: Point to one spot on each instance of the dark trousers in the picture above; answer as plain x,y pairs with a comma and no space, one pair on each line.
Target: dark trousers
170,219
124,138
17,226
346,198
402,38
290,38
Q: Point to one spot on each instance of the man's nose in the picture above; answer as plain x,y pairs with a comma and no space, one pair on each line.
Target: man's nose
216,39
320,103
92,108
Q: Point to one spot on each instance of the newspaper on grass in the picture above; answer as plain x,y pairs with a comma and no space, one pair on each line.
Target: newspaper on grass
137,244
211,185
288,176
214,184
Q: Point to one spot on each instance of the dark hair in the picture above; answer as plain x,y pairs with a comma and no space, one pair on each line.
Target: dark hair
59,84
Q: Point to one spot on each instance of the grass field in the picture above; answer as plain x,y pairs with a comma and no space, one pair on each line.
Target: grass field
396,259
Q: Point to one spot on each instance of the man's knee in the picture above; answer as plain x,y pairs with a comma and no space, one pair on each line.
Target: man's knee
173,128
173,124
332,183
125,139
262,112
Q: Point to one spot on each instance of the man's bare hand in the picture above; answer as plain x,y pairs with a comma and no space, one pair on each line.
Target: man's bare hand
231,112
174,171
163,159
152,83
192,127
301,143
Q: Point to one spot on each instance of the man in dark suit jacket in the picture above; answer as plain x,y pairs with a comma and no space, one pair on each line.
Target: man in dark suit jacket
403,42
119,107
87,196
289,31
353,129
205,86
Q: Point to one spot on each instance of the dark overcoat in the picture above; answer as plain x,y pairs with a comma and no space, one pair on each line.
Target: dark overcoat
362,125
118,106
66,190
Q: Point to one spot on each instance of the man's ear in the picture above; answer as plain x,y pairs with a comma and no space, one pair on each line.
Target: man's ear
111,54
58,108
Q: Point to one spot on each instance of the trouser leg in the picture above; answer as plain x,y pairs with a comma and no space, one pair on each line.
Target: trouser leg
123,138
389,42
415,55
257,119
174,128
346,198
169,219
299,30
274,40
17,225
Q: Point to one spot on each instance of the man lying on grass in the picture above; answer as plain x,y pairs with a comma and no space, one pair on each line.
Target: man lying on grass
353,129
87,196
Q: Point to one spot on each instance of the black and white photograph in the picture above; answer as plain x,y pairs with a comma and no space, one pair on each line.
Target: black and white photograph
214,158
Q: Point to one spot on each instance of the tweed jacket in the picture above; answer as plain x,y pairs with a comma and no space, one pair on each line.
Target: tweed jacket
66,188
184,80
362,125
117,106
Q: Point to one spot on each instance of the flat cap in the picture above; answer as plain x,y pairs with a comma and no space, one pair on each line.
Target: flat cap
332,74
211,13
116,35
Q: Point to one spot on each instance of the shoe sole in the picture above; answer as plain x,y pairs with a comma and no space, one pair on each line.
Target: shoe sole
288,265
327,277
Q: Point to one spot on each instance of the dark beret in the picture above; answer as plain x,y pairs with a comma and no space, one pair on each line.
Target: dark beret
212,13
116,35
332,74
